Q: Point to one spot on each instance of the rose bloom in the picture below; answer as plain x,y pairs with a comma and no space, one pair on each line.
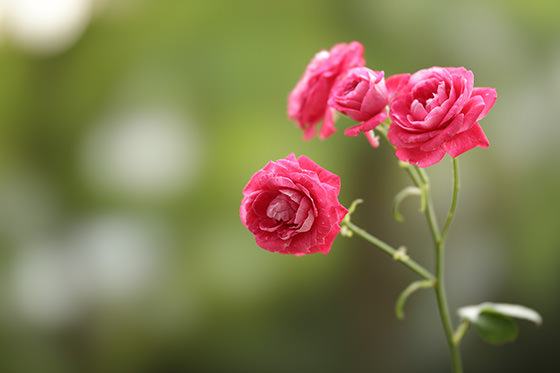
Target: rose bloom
437,112
307,103
291,206
363,95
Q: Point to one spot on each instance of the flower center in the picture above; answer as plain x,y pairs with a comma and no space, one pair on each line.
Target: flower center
350,87
280,209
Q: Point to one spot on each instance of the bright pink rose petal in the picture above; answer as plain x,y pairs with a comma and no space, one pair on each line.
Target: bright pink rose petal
366,126
466,141
372,139
489,96
328,127
395,83
419,157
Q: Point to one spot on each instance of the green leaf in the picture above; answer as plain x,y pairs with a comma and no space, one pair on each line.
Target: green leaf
495,328
494,320
512,310
515,310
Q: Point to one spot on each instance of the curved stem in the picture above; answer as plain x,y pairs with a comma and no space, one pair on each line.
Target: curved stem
396,254
444,310
461,330
439,242
416,285
412,172
421,180
430,212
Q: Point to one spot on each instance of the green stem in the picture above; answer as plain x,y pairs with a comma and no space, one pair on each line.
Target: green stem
461,330
439,242
430,212
412,172
444,310
453,201
396,254
421,180
421,284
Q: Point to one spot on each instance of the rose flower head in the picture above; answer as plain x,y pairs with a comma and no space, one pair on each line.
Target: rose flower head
362,95
437,112
291,206
307,103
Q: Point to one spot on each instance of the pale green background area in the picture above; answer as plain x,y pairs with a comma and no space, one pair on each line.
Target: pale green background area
116,258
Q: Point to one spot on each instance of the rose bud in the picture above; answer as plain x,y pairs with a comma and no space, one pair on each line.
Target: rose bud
362,95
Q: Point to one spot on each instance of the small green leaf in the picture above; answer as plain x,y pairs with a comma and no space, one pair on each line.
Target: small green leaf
494,320
512,310
495,328
515,310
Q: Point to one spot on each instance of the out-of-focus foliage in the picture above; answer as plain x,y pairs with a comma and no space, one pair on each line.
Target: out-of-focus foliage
129,128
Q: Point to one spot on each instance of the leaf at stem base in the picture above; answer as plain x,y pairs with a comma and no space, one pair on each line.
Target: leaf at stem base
494,322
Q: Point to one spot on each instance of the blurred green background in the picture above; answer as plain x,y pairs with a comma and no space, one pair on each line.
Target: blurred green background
128,129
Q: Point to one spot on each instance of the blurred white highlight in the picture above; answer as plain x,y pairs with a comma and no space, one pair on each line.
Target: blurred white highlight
147,153
42,288
115,257
105,260
44,26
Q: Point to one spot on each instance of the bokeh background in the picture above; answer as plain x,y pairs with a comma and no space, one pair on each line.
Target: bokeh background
128,129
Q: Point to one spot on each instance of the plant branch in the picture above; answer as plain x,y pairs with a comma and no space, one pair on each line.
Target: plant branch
397,254
453,201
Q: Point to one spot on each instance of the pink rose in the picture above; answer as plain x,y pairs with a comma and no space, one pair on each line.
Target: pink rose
291,206
437,112
363,95
307,103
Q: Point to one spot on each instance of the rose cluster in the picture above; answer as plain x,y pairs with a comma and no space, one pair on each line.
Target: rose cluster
291,205
433,111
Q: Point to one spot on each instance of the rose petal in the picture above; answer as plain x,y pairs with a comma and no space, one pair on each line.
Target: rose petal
325,176
372,139
420,158
328,127
489,96
261,202
466,141
395,83
472,111
443,135
366,126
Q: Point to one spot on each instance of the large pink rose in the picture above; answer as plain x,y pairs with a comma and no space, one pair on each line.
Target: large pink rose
291,206
437,112
307,103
